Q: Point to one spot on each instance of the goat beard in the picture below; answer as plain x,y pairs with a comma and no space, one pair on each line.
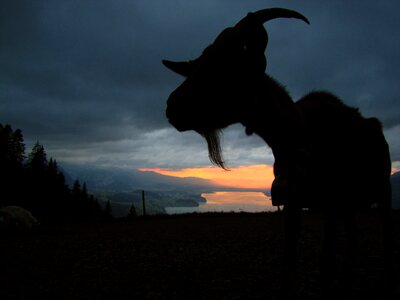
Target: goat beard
213,139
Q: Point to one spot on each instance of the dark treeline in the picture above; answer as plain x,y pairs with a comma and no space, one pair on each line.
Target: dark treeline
36,183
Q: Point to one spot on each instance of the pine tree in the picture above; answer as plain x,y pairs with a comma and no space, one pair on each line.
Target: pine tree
39,185
108,210
37,160
75,203
55,193
37,197
61,182
76,189
12,154
5,143
132,212
12,147
84,191
96,206
17,147
52,169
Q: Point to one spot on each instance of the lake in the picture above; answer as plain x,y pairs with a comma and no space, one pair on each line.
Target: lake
229,202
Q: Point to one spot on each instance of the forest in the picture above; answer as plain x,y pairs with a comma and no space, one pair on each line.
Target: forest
34,182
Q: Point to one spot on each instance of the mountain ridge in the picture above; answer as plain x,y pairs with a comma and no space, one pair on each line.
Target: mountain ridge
113,179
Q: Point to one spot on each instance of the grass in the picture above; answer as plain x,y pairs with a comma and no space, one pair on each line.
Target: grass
196,256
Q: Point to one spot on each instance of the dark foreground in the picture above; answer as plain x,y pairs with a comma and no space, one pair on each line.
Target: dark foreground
212,256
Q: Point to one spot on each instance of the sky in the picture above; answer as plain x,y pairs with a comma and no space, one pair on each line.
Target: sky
85,79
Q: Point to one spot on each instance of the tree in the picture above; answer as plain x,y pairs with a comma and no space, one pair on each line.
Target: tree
52,169
95,208
76,189
12,154
108,210
17,147
84,191
56,194
37,198
37,160
132,212
12,147
39,186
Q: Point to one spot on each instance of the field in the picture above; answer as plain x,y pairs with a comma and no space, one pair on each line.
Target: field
208,256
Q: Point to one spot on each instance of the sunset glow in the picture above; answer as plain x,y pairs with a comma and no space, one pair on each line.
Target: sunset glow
395,167
236,198
245,177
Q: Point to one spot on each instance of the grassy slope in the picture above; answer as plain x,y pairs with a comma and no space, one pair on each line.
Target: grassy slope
220,256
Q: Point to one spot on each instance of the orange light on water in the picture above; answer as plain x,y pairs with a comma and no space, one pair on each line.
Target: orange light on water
236,202
245,177
232,198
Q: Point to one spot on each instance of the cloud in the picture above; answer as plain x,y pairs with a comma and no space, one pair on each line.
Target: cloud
163,148
246,177
85,78
158,148
392,136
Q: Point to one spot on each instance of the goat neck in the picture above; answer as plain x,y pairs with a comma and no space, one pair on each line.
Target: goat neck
272,114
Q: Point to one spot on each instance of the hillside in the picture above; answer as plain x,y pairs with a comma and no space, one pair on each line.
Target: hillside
155,201
114,179
123,187
209,256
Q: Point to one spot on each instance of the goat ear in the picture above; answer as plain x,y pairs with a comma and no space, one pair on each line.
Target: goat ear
255,37
256,42
253,33
184,68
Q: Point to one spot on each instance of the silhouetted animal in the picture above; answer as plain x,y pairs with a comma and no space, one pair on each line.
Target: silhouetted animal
327,156
17,217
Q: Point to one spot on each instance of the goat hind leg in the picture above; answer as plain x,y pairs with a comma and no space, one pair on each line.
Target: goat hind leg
388,281
328,255
351,249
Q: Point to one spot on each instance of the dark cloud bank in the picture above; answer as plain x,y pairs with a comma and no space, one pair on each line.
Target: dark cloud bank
85,78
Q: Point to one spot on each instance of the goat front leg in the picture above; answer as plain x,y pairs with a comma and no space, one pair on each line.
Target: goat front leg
292,222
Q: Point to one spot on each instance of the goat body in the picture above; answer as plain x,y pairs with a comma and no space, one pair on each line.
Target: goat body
338,155
18,217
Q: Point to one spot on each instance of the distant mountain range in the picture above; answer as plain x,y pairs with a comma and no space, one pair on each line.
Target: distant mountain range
126,180
122,186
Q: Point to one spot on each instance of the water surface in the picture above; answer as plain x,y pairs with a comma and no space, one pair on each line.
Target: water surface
229,202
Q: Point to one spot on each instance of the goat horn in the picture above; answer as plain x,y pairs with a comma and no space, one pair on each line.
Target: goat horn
184,68
267,14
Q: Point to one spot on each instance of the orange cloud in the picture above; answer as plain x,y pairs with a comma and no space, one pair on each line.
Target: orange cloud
246,177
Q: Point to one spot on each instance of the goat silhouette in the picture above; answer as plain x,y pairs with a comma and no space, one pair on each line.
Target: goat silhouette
327,155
